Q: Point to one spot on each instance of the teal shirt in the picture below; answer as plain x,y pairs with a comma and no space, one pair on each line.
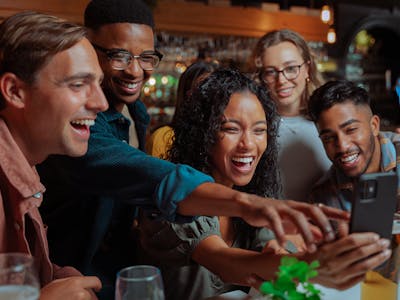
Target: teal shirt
90,201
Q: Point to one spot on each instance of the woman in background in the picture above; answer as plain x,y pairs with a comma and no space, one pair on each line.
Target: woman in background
161,139
283,62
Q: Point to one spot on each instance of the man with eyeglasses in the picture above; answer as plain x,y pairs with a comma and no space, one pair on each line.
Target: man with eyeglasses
91,201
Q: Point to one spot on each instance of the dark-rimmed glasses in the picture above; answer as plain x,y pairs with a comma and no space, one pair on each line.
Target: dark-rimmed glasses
121,59
270,75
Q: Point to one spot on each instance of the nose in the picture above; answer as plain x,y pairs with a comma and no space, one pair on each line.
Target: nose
342,142
281,77
97,101
134,68
246,140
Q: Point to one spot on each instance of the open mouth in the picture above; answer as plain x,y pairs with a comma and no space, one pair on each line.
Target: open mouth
82,124
243,162
131,87
348,160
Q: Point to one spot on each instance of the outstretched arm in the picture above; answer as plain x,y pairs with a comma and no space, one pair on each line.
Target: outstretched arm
216,199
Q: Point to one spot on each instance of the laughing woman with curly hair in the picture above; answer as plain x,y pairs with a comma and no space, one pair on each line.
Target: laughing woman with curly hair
223,131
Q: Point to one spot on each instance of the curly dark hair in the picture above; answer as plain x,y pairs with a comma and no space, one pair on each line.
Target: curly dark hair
199,120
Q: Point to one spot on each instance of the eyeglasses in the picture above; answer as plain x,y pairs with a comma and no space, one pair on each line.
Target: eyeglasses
121,59
270,75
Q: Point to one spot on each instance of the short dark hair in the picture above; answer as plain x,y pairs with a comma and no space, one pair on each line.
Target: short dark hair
199,120
28,40
103,12
334,92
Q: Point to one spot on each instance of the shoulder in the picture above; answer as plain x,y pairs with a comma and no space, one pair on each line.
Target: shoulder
162,131
160,141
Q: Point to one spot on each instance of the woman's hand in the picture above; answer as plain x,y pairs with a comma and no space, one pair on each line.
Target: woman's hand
76,287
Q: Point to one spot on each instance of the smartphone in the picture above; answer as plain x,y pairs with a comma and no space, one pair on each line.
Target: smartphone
374,204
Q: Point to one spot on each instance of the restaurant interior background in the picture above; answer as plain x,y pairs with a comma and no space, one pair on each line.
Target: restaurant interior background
366,48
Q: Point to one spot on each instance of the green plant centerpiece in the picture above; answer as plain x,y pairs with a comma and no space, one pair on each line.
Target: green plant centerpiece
292,282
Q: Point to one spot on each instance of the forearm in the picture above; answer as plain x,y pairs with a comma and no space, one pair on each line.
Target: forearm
235,265
212,199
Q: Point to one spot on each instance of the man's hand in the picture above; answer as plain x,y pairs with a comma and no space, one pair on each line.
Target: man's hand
265,212
344,262
76,287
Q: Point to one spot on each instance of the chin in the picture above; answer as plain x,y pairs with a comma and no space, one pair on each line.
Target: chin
352,173
128,99
77,152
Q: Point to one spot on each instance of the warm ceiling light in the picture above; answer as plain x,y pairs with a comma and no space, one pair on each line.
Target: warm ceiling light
331,35
326,14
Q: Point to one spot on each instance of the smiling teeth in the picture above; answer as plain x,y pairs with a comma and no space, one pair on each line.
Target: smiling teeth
129,85
349,158
245,160
83,122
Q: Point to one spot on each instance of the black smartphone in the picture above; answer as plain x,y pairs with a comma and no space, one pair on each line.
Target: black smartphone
374,204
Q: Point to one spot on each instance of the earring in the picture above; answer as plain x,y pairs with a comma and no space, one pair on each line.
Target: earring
307,80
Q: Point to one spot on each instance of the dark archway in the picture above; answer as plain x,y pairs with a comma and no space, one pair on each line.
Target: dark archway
371,66
372,61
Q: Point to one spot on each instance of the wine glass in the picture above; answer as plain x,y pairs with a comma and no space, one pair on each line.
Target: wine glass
139,283
18,278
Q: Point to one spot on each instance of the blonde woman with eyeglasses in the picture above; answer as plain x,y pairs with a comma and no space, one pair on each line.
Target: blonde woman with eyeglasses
283,61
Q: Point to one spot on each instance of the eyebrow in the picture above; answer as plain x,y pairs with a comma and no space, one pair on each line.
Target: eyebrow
237,122
82,75
127,51
341,126
285,64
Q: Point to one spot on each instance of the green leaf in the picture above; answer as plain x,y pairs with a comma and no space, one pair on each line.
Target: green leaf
295,295
267,288
293,272
314,264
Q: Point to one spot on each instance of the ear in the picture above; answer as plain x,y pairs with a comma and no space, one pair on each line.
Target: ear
375,124
12,89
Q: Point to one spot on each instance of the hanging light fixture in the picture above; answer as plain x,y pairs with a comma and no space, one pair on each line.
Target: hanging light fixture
326,14
331,35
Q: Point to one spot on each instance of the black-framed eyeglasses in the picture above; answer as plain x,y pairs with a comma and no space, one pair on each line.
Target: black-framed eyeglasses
269,75
121,59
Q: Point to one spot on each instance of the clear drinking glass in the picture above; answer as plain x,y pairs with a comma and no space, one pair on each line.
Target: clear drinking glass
18,277
139,283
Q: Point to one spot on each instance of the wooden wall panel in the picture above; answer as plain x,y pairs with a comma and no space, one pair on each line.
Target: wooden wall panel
179,16
201,18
